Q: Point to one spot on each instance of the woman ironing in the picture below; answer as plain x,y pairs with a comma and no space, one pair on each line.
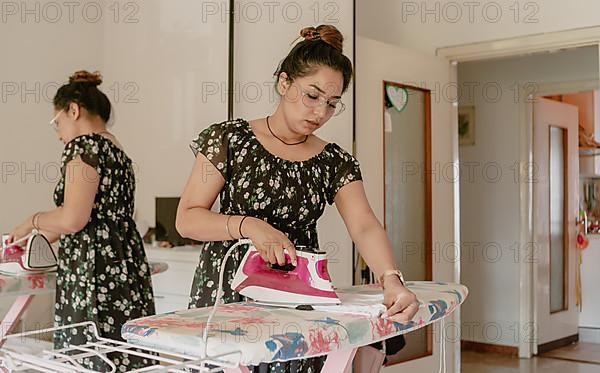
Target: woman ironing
275,177
103,274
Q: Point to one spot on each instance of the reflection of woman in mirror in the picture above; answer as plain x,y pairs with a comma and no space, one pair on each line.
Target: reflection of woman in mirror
275,177
103,274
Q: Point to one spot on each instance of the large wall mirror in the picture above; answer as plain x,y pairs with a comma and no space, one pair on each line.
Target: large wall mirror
407,159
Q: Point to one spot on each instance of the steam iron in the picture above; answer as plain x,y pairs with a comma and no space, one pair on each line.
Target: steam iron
301,286
35,256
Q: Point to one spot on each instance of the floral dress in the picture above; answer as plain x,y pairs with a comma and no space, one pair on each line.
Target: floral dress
289,195
103,273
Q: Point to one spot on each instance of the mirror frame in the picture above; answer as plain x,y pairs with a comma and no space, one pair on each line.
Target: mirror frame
427,170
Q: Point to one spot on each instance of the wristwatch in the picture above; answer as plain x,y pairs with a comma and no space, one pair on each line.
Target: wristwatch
392,272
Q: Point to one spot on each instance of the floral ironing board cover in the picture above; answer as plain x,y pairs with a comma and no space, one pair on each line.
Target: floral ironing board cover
30,284
41,283
267,334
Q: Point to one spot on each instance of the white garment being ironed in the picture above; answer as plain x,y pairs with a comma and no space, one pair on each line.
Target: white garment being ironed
364,304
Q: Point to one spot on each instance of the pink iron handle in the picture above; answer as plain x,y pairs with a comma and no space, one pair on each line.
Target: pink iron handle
288,267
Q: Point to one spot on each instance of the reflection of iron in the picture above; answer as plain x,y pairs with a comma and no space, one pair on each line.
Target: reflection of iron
36,255
308,283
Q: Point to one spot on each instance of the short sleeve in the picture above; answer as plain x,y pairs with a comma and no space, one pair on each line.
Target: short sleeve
86,147
213,143
346,170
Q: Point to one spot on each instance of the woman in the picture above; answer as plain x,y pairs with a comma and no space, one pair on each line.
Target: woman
275,176
103,274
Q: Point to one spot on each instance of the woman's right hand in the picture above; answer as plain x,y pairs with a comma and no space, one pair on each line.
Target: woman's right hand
269,241
20,231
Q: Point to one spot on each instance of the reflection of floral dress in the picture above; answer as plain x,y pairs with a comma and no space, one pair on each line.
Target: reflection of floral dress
103,274
289,195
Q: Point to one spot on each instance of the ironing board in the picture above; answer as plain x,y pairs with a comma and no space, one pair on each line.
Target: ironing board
29,285
269,334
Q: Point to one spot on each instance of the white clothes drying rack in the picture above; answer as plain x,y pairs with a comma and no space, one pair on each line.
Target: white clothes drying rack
70,359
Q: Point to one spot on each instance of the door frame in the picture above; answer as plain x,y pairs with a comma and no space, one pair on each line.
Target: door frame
518,46
528,268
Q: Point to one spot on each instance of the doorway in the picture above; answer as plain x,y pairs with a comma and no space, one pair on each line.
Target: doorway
507,248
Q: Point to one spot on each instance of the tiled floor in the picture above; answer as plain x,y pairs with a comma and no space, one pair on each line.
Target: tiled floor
478,362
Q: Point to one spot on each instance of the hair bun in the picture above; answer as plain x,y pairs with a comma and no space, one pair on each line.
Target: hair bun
87,77
328,33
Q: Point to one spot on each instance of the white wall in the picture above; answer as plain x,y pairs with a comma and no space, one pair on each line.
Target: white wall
427,25
489,208
164,66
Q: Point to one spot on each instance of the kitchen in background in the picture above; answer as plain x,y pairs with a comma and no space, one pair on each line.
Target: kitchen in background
588,239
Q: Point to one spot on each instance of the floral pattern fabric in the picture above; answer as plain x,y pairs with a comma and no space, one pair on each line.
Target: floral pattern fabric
271,334
28,284
103,273
44,283
289,195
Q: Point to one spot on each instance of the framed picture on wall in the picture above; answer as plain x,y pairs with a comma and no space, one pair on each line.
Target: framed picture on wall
466,125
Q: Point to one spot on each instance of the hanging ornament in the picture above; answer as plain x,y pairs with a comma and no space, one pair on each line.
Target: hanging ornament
397,96
582,243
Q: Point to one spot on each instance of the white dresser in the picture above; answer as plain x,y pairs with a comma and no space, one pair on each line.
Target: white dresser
172,287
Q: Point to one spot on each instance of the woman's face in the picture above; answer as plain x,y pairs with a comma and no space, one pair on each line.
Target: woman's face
64,123
308,102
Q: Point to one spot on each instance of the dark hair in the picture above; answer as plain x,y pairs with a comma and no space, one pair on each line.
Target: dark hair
82,89
322,46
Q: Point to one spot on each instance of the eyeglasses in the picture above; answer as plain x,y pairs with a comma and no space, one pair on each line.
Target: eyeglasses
54,121
312,100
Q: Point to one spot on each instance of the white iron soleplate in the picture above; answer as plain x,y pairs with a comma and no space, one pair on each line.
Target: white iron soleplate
285,299
15,269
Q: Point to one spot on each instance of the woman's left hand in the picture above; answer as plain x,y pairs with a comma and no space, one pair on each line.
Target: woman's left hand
402,303
20,231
